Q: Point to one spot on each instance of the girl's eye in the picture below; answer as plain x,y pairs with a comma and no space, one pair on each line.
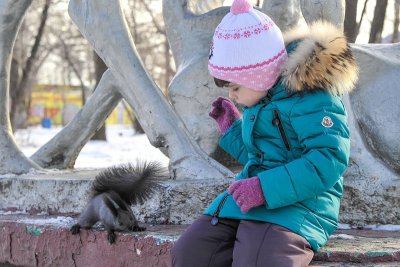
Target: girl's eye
235,89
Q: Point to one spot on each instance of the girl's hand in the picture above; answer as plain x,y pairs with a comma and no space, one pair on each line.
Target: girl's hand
224,112
247,193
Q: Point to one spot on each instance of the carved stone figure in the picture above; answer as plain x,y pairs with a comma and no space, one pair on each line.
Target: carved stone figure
12,160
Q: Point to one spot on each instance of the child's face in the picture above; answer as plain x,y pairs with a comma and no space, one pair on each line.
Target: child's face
244,95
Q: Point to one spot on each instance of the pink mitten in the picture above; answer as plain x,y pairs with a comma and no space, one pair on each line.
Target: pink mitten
247,193
224,113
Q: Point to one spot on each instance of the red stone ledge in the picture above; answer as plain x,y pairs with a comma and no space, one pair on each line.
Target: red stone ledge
43,245
26,242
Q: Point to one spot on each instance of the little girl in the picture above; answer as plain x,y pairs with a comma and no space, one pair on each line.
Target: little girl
292,139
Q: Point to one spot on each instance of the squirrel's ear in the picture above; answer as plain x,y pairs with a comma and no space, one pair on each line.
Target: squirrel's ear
117,200
110,205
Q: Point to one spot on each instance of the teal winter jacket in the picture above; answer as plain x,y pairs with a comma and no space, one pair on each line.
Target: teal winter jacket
296,140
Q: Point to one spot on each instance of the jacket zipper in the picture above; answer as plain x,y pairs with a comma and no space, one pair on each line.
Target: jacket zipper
214,219
278,122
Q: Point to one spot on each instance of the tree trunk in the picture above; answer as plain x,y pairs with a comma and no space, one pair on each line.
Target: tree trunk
12,160
72,65
100,68
159,120
19,113
364,11
350,20
378,21
15,75
395,37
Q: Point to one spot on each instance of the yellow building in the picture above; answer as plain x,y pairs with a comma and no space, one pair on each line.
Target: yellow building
61,103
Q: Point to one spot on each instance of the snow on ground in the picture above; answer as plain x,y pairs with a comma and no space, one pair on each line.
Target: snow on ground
122,146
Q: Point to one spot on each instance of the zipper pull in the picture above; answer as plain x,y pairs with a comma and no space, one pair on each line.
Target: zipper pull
214,220
276,121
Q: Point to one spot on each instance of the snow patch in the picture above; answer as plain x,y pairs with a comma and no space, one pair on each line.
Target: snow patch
2,212
342,226
342,236
58,221
122,146
383,227
375,227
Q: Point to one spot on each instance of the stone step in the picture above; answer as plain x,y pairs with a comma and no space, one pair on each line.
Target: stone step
43,240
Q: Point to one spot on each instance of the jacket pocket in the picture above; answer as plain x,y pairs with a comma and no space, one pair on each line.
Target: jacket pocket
276,121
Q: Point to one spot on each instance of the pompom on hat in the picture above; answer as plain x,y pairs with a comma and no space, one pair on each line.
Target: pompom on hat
247,48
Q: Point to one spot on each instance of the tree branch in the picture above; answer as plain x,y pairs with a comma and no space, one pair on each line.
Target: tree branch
21,91
159,28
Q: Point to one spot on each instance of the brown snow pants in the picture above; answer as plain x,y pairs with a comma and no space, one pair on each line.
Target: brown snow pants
239,244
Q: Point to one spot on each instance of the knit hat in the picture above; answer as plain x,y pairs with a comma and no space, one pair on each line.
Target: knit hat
247,48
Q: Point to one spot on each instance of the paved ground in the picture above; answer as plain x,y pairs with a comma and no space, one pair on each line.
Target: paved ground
34,240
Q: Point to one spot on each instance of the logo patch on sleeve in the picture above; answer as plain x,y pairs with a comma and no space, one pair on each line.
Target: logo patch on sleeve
327,122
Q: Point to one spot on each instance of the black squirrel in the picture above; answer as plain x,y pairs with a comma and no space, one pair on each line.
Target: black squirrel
113,190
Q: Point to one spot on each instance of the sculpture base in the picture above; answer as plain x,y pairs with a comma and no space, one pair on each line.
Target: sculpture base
180,202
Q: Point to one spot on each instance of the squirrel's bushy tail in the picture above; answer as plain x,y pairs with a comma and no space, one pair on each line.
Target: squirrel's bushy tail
134,183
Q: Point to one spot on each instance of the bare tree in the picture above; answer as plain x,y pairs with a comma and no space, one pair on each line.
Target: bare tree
395,36
350,20
364,11
70,51
378,21
71,64
151,41
20,93
159,25
15,74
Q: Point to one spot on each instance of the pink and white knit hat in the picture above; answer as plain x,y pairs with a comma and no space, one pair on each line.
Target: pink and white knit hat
247,48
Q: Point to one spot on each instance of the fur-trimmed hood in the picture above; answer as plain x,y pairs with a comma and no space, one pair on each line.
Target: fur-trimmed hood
322,59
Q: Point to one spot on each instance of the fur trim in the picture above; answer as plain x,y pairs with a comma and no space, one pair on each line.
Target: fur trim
322,59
